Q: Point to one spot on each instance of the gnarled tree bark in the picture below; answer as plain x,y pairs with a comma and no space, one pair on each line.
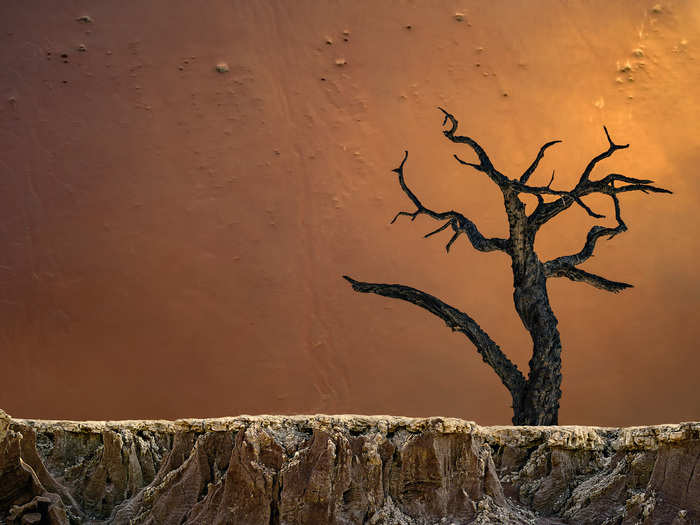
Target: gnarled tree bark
535,398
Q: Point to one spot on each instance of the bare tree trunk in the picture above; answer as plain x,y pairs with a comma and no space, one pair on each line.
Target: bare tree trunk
539,400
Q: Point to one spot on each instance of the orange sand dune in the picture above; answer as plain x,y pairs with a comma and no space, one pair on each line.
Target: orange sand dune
172,237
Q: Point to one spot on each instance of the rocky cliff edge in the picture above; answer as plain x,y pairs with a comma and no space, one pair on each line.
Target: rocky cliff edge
346,469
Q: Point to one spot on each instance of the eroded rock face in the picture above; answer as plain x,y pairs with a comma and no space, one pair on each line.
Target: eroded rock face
377,470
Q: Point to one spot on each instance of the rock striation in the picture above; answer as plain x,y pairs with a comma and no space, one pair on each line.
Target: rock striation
376,470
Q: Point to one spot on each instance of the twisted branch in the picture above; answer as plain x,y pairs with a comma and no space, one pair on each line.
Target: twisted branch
564,266
546,211
576,274
458,321
612,147
595,233
459,223
485,165
533,166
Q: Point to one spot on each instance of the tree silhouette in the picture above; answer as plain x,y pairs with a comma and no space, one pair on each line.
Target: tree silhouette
535,398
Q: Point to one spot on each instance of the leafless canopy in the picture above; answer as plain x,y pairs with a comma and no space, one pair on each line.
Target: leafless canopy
566,266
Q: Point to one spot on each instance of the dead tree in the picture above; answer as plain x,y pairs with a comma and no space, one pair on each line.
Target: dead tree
535,398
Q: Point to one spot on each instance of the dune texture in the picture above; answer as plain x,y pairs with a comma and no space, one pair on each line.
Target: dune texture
182,187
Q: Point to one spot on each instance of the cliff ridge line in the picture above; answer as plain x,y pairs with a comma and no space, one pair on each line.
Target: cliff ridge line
377,470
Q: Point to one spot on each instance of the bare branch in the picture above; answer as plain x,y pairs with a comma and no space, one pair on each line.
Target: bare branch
612,147
641,187
475,166
453,239
594,234
565,266
621,226
438,230
603,186
549,184
574,195
458,321
586,252
588,210
459,223
546,211
612,177
485,164
576,274
533,166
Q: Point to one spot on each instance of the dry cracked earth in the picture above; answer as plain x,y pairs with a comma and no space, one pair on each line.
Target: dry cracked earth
348,469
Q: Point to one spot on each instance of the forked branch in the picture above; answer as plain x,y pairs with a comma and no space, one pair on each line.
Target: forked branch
485,165
533,166
458,321
458,222
565,266
594,234
546,211
612,148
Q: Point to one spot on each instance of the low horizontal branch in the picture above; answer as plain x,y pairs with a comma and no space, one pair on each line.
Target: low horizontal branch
576,274
458,321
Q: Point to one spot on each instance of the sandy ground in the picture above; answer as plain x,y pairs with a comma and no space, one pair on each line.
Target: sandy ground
173,237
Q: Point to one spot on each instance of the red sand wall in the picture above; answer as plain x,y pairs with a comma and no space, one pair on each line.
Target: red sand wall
172,239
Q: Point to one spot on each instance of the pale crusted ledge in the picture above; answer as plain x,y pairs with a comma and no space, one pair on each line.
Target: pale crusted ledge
565,436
